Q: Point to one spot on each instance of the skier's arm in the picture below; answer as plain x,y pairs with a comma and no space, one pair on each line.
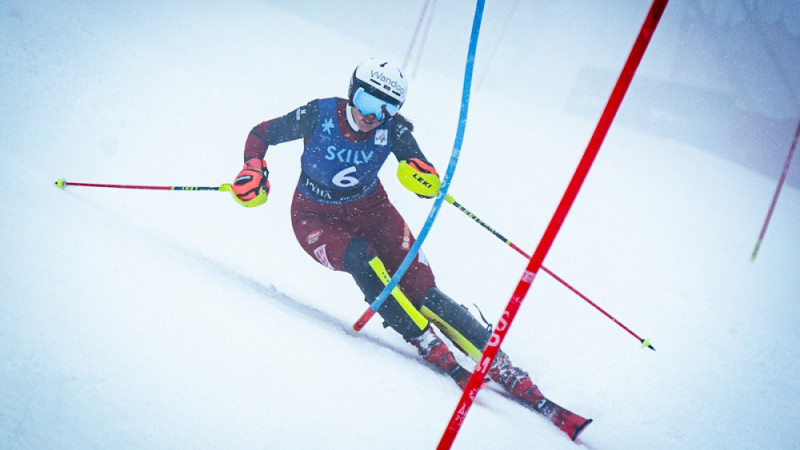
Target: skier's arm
251,187
295,125
404,146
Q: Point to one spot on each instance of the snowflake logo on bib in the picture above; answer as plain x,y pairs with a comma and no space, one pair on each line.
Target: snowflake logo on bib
327,125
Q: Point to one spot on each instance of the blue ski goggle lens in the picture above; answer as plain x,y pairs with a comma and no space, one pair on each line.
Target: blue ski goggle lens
369,104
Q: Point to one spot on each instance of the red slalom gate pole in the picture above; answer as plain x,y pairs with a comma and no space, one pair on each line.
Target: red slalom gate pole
535,263
777,193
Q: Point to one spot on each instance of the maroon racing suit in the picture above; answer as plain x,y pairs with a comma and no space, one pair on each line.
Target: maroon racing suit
325,231
341,214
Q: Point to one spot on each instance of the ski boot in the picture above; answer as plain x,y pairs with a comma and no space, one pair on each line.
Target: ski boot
435,351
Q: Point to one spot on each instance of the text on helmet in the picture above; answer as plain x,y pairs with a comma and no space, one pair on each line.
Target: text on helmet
387,82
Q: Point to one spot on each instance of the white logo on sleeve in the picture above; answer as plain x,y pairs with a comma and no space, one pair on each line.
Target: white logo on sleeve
381,136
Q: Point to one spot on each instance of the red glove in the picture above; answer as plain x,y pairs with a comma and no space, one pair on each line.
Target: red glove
250,188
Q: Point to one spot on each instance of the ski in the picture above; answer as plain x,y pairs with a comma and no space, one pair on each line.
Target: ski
567,421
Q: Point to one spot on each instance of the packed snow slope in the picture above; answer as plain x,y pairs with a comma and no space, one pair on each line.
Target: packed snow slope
177,320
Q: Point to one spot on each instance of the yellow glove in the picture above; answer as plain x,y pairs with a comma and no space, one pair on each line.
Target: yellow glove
419,177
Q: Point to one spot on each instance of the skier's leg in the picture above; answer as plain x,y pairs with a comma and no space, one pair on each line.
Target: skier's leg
385,229
340,240
469,335
398,312
456,322
366,268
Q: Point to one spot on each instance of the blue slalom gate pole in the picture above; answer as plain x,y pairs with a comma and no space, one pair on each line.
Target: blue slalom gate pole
451,168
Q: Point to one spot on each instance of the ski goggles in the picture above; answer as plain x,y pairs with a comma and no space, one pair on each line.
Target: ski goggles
370,104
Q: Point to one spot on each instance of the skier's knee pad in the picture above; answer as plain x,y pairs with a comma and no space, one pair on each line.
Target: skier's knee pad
357,259
456,322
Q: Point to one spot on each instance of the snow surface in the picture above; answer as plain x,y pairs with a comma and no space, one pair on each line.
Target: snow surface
148,319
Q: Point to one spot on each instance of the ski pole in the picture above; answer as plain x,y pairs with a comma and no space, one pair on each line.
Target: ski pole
452,201
62,183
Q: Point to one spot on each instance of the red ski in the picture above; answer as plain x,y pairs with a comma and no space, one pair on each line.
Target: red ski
566,420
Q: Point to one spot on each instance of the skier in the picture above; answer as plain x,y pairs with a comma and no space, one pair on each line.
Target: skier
342,217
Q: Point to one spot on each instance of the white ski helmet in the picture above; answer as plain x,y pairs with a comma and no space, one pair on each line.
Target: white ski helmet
380,78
